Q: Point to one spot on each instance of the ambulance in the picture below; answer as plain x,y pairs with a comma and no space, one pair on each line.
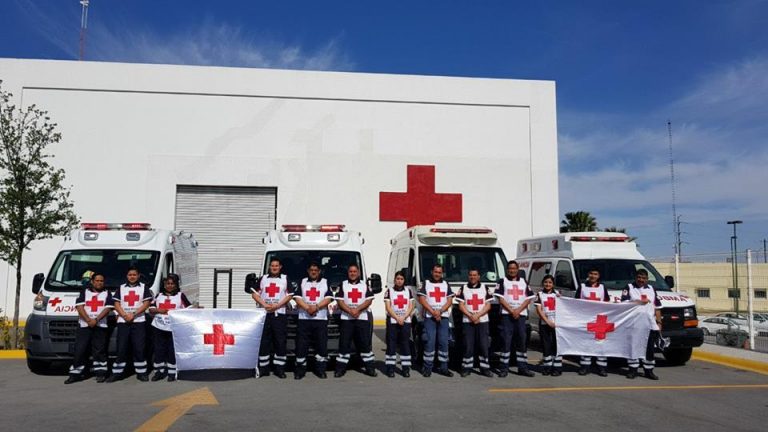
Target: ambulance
109,249
568,257
333,248
457,248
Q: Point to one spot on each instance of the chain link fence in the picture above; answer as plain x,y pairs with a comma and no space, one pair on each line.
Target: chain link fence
719,282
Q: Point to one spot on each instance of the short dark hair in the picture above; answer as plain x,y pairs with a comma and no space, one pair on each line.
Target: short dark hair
550,277
593,269
94,274
473,269
400,273
275,259
510,262
313,264
353,265
174,278
130,269
438,265
641,272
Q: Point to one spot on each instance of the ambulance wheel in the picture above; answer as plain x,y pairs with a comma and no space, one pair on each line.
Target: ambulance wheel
38,366
678,357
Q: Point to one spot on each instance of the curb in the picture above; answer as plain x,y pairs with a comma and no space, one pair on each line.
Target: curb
734,362
12,354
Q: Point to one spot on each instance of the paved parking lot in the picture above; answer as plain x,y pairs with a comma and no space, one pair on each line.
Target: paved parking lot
699,397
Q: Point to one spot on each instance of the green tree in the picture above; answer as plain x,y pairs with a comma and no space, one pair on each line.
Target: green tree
578,221
34,203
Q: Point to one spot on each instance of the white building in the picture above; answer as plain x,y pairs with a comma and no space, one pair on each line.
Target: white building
230,153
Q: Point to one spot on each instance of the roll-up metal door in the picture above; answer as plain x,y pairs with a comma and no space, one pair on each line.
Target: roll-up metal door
229,222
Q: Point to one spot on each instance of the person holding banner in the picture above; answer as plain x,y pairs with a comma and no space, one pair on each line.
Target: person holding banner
92,337
131,300
642,293
436,299
593,290
354,297
272,292
168,299
546,301
399,303
312,298
475,303
514,296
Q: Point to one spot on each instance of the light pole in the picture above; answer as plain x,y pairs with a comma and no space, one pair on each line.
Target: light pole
734,261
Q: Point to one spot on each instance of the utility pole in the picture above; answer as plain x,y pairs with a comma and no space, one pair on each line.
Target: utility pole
765,250
735,264
83,26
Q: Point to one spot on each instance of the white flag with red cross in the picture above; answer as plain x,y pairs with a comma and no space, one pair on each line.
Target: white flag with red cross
217,338
591,328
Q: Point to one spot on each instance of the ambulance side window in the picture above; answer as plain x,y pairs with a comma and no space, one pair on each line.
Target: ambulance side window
169,267
539,269
392,267
410,272
564,276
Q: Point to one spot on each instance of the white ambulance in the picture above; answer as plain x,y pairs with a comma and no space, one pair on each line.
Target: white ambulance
568,257
331,246
457,248
109,249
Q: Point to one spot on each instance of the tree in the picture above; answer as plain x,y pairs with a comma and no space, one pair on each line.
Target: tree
578,222
619,230
34,203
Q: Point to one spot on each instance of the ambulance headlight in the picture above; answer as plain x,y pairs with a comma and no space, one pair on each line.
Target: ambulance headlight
689,313
334,237
40,303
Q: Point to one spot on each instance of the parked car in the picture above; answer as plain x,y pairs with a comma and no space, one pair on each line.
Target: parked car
742,319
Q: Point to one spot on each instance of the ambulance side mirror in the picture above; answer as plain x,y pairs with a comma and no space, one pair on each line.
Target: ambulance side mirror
670,281
375,282
37,283
250,282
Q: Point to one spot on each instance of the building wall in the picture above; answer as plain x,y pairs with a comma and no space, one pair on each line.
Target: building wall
329,142
718,278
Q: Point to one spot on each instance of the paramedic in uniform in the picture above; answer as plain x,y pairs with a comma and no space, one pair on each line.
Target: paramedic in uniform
595,291
312,298
272,292
169,298
354,297
93,305
642,293
475,303
546,304
436,299
399,304
514,296
131,300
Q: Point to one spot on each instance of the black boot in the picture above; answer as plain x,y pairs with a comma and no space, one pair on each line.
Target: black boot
171,378
114,377
73,379
320,370
264,371
602,371
556,372
406,372
160,374
340,372
465,373
444,371
632,373
650,375
525,372
486,373
280,372
390,371
299,373
101,378
371,371
426,371
546,371
583,370
143,377
503,372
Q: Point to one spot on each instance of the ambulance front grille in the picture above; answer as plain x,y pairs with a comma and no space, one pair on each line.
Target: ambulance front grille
62,330
672,318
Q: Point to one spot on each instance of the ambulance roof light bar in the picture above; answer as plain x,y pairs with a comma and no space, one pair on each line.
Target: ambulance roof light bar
125,226
623,238
314,228
461,230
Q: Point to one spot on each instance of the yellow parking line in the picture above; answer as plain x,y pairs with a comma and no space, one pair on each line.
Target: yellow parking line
734,362
621,388
12,354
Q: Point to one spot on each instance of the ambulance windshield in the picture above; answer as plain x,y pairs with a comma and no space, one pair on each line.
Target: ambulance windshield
615,274
333,264
457,261
72,269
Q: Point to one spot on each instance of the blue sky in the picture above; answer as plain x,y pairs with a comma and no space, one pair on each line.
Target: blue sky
622,69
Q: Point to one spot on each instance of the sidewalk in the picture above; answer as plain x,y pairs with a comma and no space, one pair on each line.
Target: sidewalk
734,357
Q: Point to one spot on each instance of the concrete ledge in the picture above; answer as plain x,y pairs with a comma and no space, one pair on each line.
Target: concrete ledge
734,362
12,354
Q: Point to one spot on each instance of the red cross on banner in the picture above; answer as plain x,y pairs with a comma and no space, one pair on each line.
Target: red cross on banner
218,339
600,327
550,303
94,303
313,294
420,205
515,292
131,298
400,301
437,295
355,295
272,289
54,301
167,304
475,302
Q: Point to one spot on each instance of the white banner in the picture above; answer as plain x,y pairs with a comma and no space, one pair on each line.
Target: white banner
592,328
217,338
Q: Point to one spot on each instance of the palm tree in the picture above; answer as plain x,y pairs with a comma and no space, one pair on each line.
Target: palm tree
578,221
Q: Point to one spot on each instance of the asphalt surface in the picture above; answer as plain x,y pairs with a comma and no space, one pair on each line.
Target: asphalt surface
360,403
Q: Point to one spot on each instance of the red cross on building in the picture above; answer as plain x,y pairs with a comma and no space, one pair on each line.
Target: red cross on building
515,292
54,301
167,304
218,339
272,289
313,294
400,302
600,327
94,303
550,303
355,295
420,205
593,296
131,298
437,295
475,302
